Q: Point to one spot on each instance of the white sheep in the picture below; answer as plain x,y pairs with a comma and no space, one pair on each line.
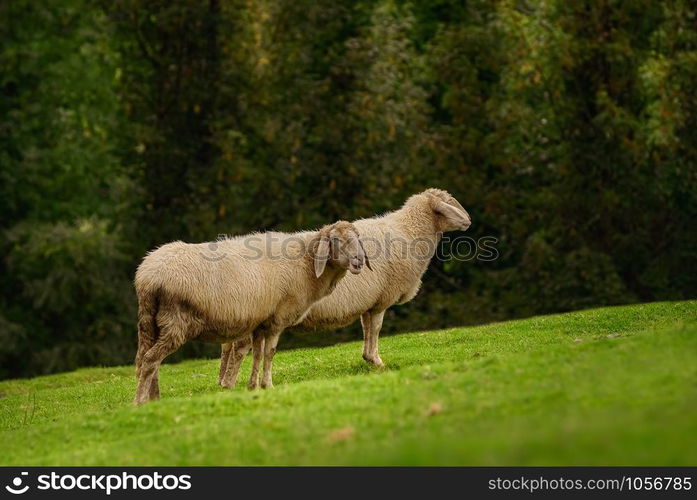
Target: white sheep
223,291
400,245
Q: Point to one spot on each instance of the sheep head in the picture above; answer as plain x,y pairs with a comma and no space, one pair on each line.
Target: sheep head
340,245
449,214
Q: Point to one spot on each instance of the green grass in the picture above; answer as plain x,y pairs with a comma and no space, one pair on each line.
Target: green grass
606,386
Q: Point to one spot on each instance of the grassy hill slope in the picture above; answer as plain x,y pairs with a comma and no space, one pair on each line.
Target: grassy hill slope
605,386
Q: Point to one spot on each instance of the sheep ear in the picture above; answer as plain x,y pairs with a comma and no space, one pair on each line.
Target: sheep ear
365,255
454,215
456,204
321,256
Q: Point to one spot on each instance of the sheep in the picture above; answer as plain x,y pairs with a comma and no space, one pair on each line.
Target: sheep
224,291
400,245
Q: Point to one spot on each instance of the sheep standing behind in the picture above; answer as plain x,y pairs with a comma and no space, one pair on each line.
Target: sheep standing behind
400,245
223,291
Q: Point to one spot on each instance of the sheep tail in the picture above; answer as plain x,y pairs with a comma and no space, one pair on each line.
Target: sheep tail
148,332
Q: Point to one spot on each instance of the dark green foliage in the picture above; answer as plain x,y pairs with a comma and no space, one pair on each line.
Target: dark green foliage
65,199
567,129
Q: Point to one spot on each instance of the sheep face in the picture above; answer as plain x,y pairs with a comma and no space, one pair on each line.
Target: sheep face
340,245
449,214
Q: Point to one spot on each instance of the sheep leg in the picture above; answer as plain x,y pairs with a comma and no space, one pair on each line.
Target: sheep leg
270,342
154,392
224,360
148,387
143,346
257,354
147,326
372,323
239,351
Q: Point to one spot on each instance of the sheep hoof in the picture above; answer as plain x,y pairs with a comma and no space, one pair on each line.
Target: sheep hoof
376,361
